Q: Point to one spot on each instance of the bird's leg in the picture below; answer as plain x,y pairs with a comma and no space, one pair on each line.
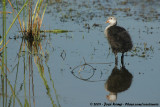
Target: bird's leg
116,59
122,59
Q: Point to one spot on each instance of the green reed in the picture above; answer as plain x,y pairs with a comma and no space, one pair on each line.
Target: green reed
4,69
4,54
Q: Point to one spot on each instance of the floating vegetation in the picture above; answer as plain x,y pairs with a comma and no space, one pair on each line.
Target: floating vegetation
142,50
55,31
139,10
120,9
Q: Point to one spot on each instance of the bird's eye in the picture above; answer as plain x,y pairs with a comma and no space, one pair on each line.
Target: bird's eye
111,18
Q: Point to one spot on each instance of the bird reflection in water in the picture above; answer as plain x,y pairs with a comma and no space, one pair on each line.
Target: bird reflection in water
119,80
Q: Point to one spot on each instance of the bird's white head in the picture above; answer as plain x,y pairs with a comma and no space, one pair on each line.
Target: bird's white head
112,20
112,97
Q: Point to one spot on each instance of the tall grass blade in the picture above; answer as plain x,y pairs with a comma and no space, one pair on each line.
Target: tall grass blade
53,85
14,21
43,16
40,67
4,45
18,16
13,93
35,10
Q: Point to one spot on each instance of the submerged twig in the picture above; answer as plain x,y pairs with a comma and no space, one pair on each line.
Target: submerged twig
84,65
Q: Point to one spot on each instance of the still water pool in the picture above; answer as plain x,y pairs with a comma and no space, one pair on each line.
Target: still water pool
71,69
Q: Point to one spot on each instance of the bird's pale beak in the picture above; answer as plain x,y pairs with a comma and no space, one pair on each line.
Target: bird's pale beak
107,21
107,96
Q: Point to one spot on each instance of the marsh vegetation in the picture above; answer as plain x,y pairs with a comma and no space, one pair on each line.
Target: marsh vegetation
54,52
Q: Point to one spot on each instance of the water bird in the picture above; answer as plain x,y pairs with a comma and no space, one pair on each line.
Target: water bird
119,80
118,38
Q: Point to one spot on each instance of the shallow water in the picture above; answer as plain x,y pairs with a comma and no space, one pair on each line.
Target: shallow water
77,64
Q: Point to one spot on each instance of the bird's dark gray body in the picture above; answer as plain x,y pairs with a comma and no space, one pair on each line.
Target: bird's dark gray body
119,80
119,39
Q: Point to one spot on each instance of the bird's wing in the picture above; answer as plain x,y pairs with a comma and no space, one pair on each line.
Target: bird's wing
119,37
